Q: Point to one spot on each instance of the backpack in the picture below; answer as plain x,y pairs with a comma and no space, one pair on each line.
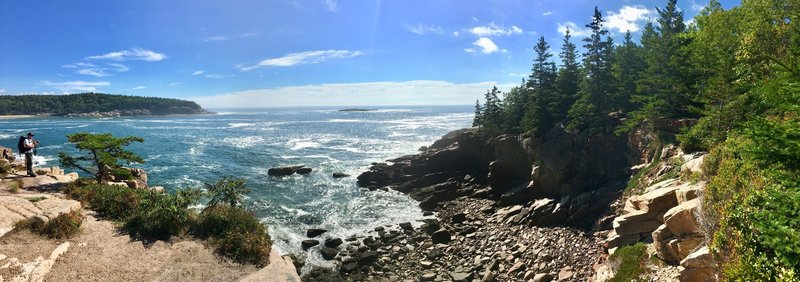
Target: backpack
21,144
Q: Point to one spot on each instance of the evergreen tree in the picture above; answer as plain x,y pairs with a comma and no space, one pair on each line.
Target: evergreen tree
104,153
568,79
597,86
514,102
666,86
478,119
541,85
628,64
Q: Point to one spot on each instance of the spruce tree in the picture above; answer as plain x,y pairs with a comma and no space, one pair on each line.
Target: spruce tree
569,77
597,87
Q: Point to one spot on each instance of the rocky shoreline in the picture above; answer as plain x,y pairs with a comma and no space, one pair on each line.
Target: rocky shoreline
508,208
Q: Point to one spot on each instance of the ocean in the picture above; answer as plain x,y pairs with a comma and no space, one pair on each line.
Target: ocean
187,151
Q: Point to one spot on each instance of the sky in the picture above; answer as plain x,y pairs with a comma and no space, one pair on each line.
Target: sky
247,53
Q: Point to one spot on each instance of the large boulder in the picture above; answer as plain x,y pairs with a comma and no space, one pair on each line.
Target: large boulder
681,220
288,170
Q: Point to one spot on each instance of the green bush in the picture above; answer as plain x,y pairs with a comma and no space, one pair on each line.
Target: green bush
63,226
162,216
122,174
245,247
630,260
236,233
112,201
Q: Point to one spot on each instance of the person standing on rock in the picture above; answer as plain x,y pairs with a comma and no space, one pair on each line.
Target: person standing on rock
30,144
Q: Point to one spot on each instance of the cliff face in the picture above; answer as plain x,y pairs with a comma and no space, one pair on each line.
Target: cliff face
572,177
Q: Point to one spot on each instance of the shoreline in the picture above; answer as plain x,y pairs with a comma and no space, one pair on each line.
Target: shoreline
20,116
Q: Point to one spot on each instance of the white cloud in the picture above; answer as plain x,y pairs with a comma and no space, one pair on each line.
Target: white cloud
418,92
628,18
2,91
174,83
574,30
138,88
331,5
423,29
85,68
455,33
493,30
198,72
308,57
67,86
547,13
119,67
485,45
132,54
697,7
215,76
215,38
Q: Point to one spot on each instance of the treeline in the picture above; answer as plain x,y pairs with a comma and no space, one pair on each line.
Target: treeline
736,71
93,102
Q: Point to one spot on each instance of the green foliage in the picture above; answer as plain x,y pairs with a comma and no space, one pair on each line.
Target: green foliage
63,226
111,201
104,153
597,88
631,260
162,216
37,199
226,190
248,247
92,102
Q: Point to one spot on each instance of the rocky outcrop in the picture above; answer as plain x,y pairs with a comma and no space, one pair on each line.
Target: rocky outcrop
114,113
279,269
25,201
514,170
288,170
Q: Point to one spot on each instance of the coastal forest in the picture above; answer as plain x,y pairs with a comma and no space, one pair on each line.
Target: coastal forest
61,105
734,74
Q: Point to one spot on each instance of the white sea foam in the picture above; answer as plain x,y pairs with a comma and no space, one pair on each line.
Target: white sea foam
240,124
78,126
7,136
243,142
297,144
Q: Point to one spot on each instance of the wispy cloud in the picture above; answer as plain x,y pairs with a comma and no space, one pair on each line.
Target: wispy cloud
2,91
215,38
68,86
417,92
174,83
485,45
331,5
198,72
628,18
308,57
131,54
85,68
215,76
574,30
494,30
547,13
423,29
138,88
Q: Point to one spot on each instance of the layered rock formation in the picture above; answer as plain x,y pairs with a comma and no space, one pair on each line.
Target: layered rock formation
576,175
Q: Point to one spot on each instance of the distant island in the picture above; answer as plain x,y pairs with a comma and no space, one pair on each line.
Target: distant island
356,110
95,105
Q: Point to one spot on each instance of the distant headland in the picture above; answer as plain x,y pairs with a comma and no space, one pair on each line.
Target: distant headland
96,105
356,110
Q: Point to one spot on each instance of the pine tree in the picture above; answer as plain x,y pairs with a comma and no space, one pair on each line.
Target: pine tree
541,85
478,119
597,87
569,77
628,65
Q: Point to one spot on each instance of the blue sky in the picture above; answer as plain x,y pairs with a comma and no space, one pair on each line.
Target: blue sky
292,52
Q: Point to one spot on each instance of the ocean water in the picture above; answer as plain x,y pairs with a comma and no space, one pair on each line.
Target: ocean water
187,151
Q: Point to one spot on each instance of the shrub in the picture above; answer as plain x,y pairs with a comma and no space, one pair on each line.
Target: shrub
63,226
113,202
630,260
236,234
245,247
227,190
162,216
121,174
